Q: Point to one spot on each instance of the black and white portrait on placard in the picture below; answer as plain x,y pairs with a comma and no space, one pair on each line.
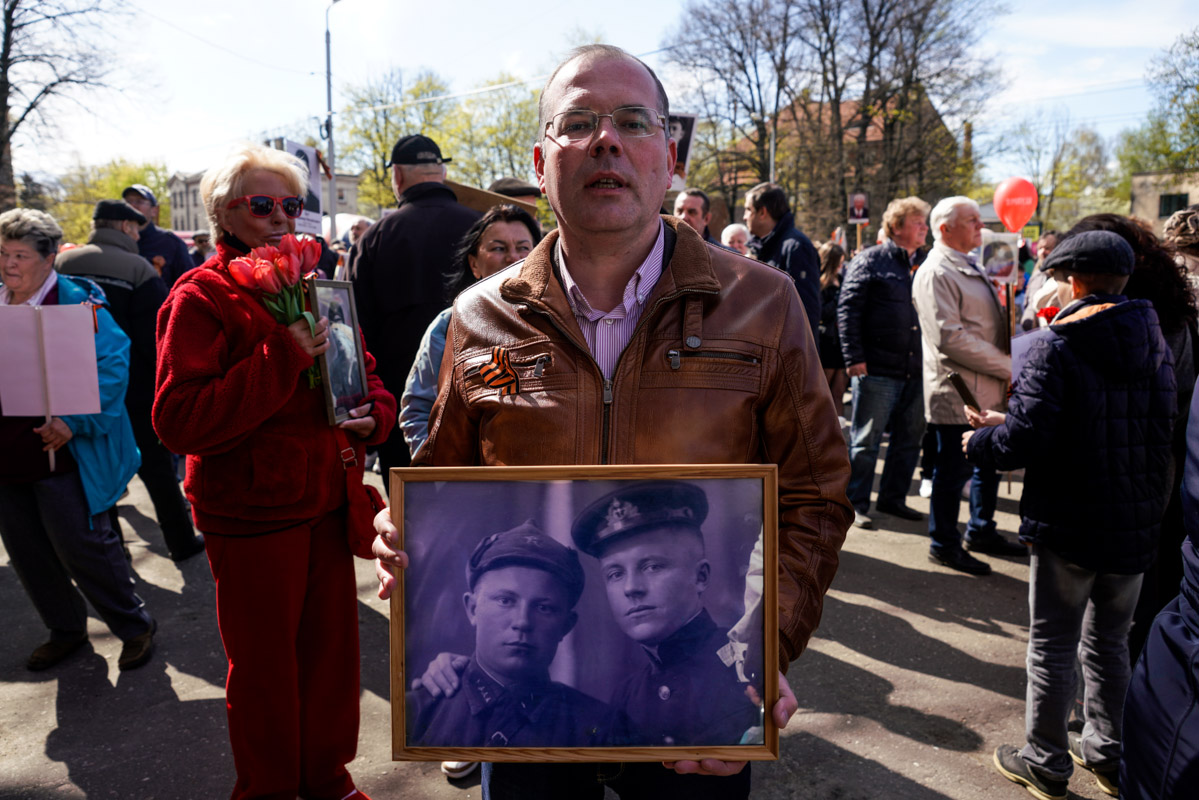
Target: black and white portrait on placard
343,373
584,613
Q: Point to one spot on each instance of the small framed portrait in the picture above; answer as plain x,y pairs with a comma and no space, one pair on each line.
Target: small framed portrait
617,613
859,208
343,365
681,128
999,255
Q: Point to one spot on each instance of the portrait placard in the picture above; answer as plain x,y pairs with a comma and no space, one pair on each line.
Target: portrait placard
343,365
615,613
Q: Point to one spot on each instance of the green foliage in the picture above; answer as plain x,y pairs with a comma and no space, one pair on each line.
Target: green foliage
81,187
495,132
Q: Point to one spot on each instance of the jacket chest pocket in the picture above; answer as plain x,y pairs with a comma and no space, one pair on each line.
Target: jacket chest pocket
708,368
507,373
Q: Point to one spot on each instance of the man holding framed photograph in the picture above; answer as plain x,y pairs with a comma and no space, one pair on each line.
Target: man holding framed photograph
624,339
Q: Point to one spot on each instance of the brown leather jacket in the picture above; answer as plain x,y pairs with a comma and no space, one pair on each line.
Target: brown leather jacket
722,368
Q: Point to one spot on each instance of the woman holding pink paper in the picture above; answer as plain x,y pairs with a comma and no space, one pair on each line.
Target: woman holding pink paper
276,490
54,511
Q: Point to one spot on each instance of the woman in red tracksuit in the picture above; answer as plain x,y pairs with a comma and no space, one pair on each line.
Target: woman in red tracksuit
271,491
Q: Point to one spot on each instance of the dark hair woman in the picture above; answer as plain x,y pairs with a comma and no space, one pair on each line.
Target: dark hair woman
275,488
501,237
832,258
1157,277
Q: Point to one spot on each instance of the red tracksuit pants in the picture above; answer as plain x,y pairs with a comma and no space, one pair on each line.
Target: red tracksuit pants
288,615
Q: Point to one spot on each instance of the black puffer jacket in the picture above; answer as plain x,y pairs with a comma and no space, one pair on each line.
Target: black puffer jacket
1090,416
875,315
788,249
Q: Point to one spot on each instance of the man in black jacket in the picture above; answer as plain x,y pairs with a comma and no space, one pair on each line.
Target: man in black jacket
398,268
880,339
1090,418
778,243
135,291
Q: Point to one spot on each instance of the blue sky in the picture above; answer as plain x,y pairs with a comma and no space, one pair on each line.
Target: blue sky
200,76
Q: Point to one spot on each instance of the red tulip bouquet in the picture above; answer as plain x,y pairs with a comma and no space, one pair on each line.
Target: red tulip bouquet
277,273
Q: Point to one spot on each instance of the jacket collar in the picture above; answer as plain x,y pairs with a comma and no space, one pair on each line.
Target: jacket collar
961,261
423,189
114,237
687,268
683,643
769,244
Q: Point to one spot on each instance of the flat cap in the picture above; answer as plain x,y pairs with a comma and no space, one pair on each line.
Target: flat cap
637,508
143,190
118,210
1093,252
417,149
526,546
513,187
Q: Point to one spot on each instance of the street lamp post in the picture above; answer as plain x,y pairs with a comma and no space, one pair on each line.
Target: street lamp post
329,127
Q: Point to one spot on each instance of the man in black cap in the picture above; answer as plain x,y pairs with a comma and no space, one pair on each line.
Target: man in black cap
650,547
135,292
165,251
1090,419
398,268
522,590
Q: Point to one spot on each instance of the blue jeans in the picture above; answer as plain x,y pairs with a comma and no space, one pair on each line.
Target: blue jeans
950,473
1074,610
630,780
880,404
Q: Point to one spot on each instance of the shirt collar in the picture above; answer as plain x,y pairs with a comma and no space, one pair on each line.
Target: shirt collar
38,296
636,292
956,257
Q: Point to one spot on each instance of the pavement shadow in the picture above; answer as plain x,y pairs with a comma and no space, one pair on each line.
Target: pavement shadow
809,766
829,685
893,640
979,604
104,734
145,527
374,644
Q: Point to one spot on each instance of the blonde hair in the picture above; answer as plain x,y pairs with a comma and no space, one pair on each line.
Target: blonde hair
831,259
224,182
898,210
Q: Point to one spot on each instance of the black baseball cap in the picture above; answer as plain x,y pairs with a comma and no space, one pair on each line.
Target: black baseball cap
117,210
143,190
417,149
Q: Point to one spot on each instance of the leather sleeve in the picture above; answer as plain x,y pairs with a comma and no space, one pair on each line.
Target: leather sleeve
801,434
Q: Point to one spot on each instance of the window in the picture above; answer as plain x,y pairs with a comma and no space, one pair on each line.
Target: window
1169,203
341,195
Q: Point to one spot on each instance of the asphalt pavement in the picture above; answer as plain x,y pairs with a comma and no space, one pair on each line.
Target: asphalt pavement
915,676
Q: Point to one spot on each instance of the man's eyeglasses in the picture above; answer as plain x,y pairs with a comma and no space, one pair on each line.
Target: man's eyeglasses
263,205
580,125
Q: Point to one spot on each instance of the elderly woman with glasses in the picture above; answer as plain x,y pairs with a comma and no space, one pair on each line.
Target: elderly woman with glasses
275,489
54,509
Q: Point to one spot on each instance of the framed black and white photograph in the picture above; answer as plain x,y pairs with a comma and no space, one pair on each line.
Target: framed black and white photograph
343,365
617,613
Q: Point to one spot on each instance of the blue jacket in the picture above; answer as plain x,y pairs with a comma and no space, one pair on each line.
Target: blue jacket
792,252
1091,416
102,444
875,315
420,390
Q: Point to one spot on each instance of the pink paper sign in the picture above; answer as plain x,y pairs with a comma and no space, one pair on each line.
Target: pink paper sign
48,361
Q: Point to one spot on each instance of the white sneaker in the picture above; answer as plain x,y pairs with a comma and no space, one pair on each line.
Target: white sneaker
456,770
926,488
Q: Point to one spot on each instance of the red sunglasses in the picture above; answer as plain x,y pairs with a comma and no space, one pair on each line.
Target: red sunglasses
263,205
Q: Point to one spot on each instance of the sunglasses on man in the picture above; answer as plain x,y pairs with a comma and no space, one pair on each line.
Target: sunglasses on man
263,205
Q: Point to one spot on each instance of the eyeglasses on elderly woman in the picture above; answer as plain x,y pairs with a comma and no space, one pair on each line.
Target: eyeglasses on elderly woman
263,205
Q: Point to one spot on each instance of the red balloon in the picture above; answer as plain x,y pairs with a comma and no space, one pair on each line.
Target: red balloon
1015,202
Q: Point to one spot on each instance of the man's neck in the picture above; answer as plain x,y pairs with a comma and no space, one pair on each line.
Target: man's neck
603,265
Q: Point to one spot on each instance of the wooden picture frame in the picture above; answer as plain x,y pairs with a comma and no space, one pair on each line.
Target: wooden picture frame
343,365
651,553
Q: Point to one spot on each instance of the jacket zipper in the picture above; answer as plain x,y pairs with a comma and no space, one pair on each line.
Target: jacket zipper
676,356
605,428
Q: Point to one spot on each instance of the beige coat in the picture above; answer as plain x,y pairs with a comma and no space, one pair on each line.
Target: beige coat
963,326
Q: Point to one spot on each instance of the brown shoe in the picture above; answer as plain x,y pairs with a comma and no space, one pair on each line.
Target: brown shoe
53,652
137,650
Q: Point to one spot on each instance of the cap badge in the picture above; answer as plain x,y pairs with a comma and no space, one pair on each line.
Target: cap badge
619,512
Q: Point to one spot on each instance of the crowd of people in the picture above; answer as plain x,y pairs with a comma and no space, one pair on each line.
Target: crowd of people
626,335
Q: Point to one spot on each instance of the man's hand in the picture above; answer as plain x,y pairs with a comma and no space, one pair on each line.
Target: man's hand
985,419
360,423
54,433
313,342
783,710
441,676
388,555
856,370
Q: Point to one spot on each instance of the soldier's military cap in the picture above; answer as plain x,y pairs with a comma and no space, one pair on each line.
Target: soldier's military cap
636,508
526,546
